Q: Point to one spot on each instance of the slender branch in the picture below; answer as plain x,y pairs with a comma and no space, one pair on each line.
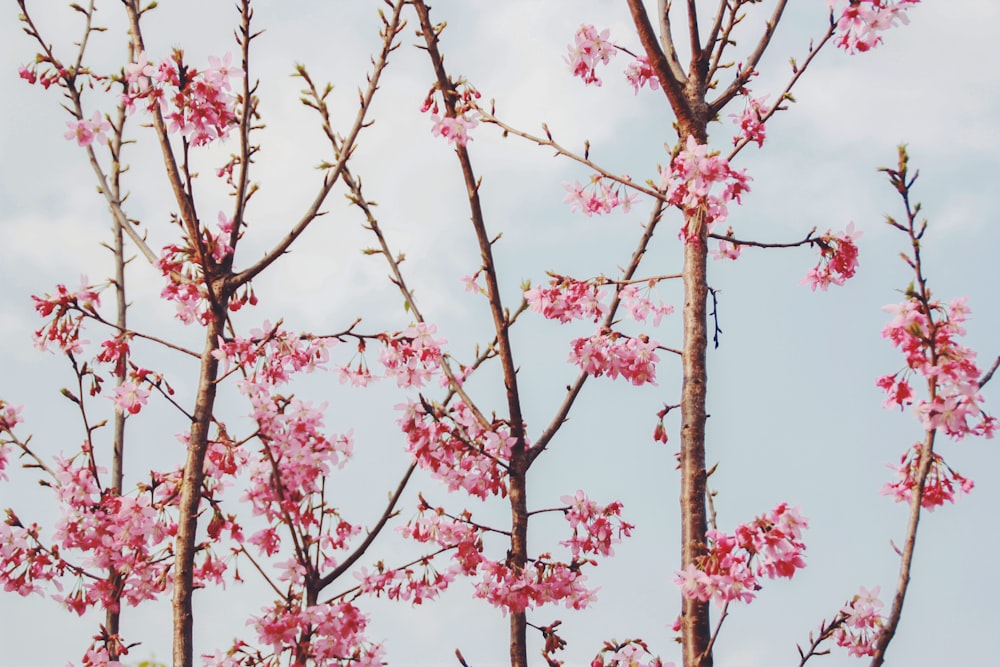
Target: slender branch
389,32
989,374
667,42
750,67
573,391
808,240
797,72
549,142
337,572
671,84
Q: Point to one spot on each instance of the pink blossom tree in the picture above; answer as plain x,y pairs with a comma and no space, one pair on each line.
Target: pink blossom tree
263,497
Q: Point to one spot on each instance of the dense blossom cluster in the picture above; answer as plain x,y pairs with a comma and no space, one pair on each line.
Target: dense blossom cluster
927,335
614,354
197,104
860,623
690,184
567,299
606,352
595,528
455,447
838,259
413,356
322,634
860,22
771,545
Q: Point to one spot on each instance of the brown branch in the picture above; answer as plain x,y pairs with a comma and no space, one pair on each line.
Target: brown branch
671,85
751,64
332,576
573,391
389,32
549,142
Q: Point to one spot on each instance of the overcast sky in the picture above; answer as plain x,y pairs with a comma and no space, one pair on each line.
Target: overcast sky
795,413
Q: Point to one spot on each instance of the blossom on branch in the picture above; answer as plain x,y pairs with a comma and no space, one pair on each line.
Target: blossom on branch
838,259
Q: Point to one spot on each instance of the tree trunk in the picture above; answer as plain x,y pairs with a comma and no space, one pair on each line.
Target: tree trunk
695,626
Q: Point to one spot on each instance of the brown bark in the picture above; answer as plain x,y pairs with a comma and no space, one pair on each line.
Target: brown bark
696,631
194,473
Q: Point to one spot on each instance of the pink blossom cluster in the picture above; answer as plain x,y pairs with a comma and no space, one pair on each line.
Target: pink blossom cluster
413,355
320,634
931,349
129,534
10,417
67,310
860,624
538,583
860,21
602,195
286,479
590,49
770,546
405,584
567,299
595,528
455,447
87,131
98,656
838,259
271,355
197,104
751,121
630,653
727,249
640,73
690,184
614,354
941,485
454,126
185,284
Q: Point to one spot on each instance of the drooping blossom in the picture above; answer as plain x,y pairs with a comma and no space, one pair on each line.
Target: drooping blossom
691,181
600,196
639,73
838,259
860,22
589,49
751,121
861,623
87,131
771,545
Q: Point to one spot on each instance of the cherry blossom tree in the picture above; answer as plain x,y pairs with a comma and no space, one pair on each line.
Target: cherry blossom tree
261,500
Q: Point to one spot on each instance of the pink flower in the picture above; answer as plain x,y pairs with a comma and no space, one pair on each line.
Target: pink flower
454,129
838,259
751,121
87,131
589,49
129,397
861,623
640,73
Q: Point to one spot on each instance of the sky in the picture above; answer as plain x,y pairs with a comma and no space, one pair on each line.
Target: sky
795,414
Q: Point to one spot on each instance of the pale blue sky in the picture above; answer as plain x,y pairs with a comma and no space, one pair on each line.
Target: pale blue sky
795,413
